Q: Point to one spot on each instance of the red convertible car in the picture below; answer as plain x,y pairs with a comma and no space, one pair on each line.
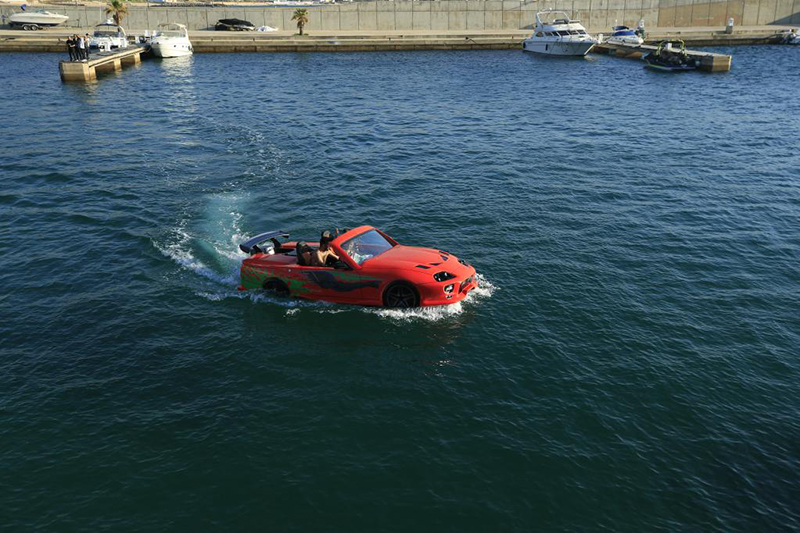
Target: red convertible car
373,269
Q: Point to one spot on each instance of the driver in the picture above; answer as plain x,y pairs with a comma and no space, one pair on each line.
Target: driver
321,256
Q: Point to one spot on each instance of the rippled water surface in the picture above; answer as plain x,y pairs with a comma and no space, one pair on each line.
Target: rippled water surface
630,362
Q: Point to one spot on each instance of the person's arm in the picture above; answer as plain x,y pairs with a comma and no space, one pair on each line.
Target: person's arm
323,256
317,258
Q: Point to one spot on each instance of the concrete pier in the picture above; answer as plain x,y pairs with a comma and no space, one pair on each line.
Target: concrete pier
707,61
103,62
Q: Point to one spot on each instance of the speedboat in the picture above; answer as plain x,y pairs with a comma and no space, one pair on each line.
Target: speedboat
789,36
171,40
33,20
108,36
667,58
624,35
556,34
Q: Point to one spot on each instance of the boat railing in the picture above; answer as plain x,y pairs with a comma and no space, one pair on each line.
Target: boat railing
549,18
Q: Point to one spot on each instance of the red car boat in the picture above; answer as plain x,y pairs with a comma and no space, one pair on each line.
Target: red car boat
373,269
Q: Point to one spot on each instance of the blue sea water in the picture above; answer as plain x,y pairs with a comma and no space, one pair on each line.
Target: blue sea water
631,361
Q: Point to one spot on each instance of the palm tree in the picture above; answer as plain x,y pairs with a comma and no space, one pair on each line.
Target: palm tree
118,9
300,15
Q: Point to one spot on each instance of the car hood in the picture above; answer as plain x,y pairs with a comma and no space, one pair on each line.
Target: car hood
411,257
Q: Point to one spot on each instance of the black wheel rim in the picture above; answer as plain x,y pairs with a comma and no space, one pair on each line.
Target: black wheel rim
400,296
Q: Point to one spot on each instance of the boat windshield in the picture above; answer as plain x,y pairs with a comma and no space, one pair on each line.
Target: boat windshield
171,33
366,246
105,33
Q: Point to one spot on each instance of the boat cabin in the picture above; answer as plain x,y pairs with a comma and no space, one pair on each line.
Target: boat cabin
108,29
172,30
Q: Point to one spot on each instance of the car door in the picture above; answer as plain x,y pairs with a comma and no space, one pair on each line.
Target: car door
330,284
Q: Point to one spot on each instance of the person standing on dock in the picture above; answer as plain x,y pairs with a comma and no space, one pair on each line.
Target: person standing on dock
87,40
71,47
81,49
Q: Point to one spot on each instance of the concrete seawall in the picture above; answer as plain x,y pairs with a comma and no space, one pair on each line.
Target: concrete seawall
354,41
457,15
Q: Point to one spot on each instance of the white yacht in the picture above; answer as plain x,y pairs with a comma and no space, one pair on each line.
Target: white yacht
33,20
557,34
108,36
624,35
171,40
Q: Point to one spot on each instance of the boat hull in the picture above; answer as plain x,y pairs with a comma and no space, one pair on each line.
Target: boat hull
669,68
23,19
633,41
171,49
104,43
558,48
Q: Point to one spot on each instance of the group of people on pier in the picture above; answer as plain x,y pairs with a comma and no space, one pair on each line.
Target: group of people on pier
78,47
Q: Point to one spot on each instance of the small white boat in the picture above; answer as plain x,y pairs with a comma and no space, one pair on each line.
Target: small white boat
624,35
790,36
556,34
171,40
108,36
33,20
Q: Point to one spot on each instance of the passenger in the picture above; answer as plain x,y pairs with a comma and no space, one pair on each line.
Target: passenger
87,40
303,254
320,256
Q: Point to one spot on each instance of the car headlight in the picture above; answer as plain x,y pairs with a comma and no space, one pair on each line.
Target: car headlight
443,276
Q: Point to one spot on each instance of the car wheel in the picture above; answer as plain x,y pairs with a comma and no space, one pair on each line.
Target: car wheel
400,296
276,287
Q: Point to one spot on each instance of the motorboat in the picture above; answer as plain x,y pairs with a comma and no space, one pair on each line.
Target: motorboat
234,25
33,20
624,35
789,36
669,58
171,40
108,36
556,34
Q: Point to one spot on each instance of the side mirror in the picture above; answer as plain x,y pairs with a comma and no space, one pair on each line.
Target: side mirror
341,265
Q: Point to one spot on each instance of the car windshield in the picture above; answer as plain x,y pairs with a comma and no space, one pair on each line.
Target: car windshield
366,246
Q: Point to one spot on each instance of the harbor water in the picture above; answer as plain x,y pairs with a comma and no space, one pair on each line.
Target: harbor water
631,361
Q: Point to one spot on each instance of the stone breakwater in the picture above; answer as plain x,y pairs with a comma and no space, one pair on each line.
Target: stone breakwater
456,15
